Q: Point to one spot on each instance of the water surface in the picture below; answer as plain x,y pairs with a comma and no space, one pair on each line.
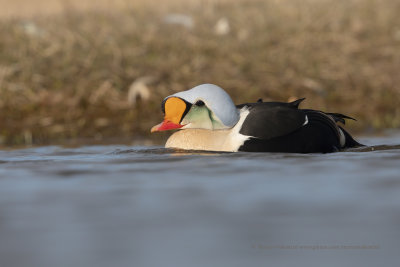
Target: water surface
147,206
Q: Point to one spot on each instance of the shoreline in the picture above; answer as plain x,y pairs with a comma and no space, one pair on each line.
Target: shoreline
80,72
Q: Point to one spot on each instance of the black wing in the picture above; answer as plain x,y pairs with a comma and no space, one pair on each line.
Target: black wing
267,120
295,104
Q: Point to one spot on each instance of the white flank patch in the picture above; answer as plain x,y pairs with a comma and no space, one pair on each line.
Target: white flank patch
305,123
342,138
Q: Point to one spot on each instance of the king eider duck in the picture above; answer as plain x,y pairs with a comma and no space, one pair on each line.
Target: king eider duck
208,119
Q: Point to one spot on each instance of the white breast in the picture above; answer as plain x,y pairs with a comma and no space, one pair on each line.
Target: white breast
228,140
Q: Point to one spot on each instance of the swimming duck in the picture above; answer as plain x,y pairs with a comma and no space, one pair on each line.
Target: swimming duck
208,119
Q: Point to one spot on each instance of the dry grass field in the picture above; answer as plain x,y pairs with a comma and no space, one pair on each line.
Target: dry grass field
66,67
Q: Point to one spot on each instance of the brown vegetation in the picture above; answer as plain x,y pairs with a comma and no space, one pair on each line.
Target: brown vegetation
66,74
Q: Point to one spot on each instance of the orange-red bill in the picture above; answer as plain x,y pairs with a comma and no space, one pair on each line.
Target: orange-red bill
165,125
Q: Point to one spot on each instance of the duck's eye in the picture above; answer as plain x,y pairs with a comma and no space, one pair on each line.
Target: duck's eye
199,103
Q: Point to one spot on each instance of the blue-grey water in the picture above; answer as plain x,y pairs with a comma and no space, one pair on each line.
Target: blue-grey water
147,206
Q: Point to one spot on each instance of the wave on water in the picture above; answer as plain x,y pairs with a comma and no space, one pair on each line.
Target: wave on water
373,148
173,151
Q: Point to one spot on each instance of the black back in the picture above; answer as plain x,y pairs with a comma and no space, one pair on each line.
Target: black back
282,127
266,122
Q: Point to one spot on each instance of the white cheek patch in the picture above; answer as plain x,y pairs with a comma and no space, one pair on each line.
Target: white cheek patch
197,118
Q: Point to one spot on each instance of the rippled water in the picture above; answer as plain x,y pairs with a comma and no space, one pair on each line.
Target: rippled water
141,206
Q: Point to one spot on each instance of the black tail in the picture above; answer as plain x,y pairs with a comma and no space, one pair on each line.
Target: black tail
350,142
340,117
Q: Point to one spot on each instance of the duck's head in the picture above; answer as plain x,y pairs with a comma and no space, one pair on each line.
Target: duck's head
205,106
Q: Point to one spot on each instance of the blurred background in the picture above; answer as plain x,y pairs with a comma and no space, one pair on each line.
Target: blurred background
81,71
